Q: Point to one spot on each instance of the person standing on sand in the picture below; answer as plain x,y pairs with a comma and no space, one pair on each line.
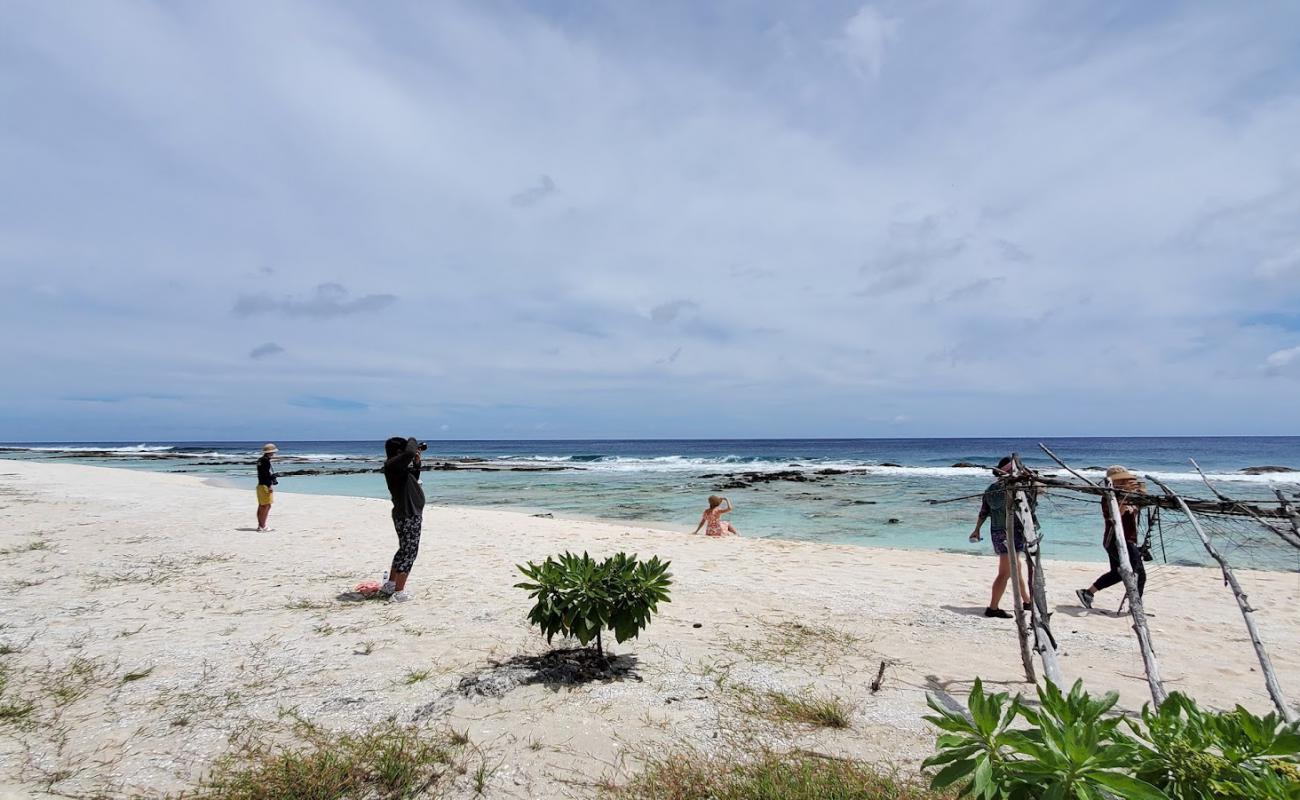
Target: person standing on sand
402,473
994,508
712,517
266,481
1126,484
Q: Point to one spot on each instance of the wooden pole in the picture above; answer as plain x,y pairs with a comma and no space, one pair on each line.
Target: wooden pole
1291,515
1283,535
1022,629
1065,465
1149,663
1247,612
1040,619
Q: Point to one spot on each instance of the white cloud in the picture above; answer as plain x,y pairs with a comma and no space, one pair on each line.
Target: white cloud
864,40
1112,194
1280,265
1283,358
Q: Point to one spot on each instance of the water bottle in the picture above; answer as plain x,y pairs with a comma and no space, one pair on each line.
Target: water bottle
385,580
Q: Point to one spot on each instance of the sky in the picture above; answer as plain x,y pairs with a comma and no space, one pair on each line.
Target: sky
300,220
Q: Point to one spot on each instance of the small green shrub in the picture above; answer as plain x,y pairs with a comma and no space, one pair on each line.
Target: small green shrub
1073,749
1190,753
578,597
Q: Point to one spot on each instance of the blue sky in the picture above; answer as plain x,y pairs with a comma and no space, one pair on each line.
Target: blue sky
278,220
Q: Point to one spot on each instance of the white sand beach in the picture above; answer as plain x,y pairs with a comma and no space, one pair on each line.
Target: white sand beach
151,627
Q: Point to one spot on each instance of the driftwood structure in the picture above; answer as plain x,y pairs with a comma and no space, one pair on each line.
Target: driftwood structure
1280,520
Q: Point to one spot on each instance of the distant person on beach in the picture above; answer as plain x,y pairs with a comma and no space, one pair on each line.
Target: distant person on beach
266,481
402,472
1126,484
711,520
993,508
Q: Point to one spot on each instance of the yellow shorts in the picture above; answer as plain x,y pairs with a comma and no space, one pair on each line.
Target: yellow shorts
264,494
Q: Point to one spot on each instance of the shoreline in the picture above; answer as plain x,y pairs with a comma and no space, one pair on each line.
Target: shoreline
173,631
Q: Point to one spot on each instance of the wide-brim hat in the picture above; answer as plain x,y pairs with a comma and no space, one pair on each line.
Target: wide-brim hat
270,448
1118,474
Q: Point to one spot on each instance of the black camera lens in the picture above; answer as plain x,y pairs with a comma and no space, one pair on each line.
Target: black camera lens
424,445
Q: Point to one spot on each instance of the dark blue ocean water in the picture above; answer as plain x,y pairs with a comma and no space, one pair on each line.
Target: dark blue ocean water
664,482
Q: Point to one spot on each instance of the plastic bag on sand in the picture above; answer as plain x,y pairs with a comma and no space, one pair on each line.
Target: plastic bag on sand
367,589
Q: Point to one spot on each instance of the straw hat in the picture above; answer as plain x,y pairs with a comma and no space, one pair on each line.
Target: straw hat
1118,473
270,448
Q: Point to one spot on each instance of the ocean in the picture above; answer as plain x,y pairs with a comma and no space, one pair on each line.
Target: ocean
875,492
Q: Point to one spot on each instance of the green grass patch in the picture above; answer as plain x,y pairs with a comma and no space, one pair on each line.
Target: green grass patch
386,761
768,776
140,675
416,675
806,708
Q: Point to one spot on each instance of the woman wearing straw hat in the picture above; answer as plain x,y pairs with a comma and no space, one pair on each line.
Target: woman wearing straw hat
1126,485
266,479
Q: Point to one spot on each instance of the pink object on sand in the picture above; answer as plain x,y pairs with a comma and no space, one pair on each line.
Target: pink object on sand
368,589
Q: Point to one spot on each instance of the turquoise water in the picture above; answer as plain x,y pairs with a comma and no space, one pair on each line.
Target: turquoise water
665,483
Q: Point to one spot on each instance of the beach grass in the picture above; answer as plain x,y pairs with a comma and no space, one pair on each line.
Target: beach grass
804,708
767,776
389,760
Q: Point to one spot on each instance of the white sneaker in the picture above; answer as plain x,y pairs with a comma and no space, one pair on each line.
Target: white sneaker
399,597
388,589
261,530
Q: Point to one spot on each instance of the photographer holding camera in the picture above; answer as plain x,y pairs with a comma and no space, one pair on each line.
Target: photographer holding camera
402,472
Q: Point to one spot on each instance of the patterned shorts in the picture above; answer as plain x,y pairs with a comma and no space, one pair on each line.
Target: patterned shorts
1000,542
408,543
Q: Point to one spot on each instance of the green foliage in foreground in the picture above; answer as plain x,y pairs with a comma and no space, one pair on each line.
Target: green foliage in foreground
578,597
386,761
794,776
1073,749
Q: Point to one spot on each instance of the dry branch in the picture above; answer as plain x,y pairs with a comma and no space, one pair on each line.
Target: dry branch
1247,612
1013,558
1136,607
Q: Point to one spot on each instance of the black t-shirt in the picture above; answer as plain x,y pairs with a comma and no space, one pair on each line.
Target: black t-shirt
265,477
403,477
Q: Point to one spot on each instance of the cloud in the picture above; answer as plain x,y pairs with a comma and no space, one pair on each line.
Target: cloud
1279,265
1010,251
971,290
1283,358
264,350
909,252
670,311
328,403
864,40
534,194
671,358
326,301
809,180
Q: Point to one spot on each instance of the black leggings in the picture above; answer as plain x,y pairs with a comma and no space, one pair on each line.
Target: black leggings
1134,559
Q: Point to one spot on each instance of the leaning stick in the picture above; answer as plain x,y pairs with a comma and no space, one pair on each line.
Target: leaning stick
1022,629
1040,619
1065,465
1291,515
1208,485
1223,497
1149,663
1247,612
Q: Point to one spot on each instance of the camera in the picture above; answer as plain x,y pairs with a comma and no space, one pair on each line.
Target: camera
423,446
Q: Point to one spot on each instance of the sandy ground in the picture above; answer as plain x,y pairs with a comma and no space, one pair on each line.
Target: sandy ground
150,625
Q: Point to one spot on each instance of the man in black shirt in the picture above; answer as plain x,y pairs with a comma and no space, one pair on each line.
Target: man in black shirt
266,480
402,473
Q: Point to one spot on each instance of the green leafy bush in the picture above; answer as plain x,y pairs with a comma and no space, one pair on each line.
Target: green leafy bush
578,597
1071,748
1191,753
